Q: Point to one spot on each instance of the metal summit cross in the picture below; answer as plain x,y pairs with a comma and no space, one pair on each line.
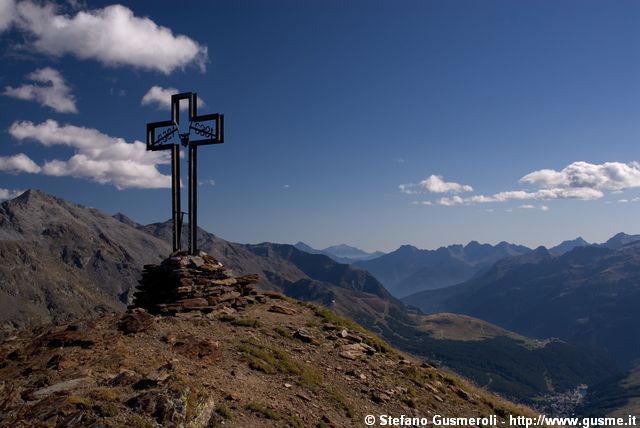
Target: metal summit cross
208,126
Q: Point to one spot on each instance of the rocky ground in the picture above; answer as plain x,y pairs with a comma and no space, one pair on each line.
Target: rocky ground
273,362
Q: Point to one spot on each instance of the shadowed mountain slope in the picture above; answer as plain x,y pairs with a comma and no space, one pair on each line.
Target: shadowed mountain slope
59,260
618,396
588,295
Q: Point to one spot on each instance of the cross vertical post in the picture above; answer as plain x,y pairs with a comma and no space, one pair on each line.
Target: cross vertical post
193,200
175,197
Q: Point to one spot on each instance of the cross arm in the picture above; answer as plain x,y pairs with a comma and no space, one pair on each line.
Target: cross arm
212,134
159,143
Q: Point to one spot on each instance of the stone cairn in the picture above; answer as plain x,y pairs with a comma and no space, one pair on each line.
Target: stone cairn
184,283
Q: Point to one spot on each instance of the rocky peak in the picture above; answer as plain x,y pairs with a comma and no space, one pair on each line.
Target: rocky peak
126,220
31,195
619,240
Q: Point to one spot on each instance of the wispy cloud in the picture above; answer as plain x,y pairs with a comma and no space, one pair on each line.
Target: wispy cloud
161,98
98,157
579,180
9,194
523,195
434,184
408,188
52,91
111,35
533,207
7,14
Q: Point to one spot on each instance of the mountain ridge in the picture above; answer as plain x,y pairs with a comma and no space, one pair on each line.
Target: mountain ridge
347,290
409,269
587,295
341,253
568,245
60,253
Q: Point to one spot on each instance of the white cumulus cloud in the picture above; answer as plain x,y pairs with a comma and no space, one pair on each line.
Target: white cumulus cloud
611,176
98,157
434,184
161,98
52,91
579,180
18,163
112,35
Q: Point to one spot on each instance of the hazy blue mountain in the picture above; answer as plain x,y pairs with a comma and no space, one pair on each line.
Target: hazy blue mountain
345,251
568,245
588,295
620,240
306,248
408,269
341,253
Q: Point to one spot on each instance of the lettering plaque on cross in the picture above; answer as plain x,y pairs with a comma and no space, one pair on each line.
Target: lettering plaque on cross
167,135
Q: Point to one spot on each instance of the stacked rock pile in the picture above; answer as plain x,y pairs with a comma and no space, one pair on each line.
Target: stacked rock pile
184,283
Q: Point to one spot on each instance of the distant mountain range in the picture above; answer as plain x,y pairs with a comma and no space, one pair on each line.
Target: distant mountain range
588,295
341,253
408,269
61,261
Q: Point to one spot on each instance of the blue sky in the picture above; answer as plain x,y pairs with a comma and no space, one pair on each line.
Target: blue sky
375,123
